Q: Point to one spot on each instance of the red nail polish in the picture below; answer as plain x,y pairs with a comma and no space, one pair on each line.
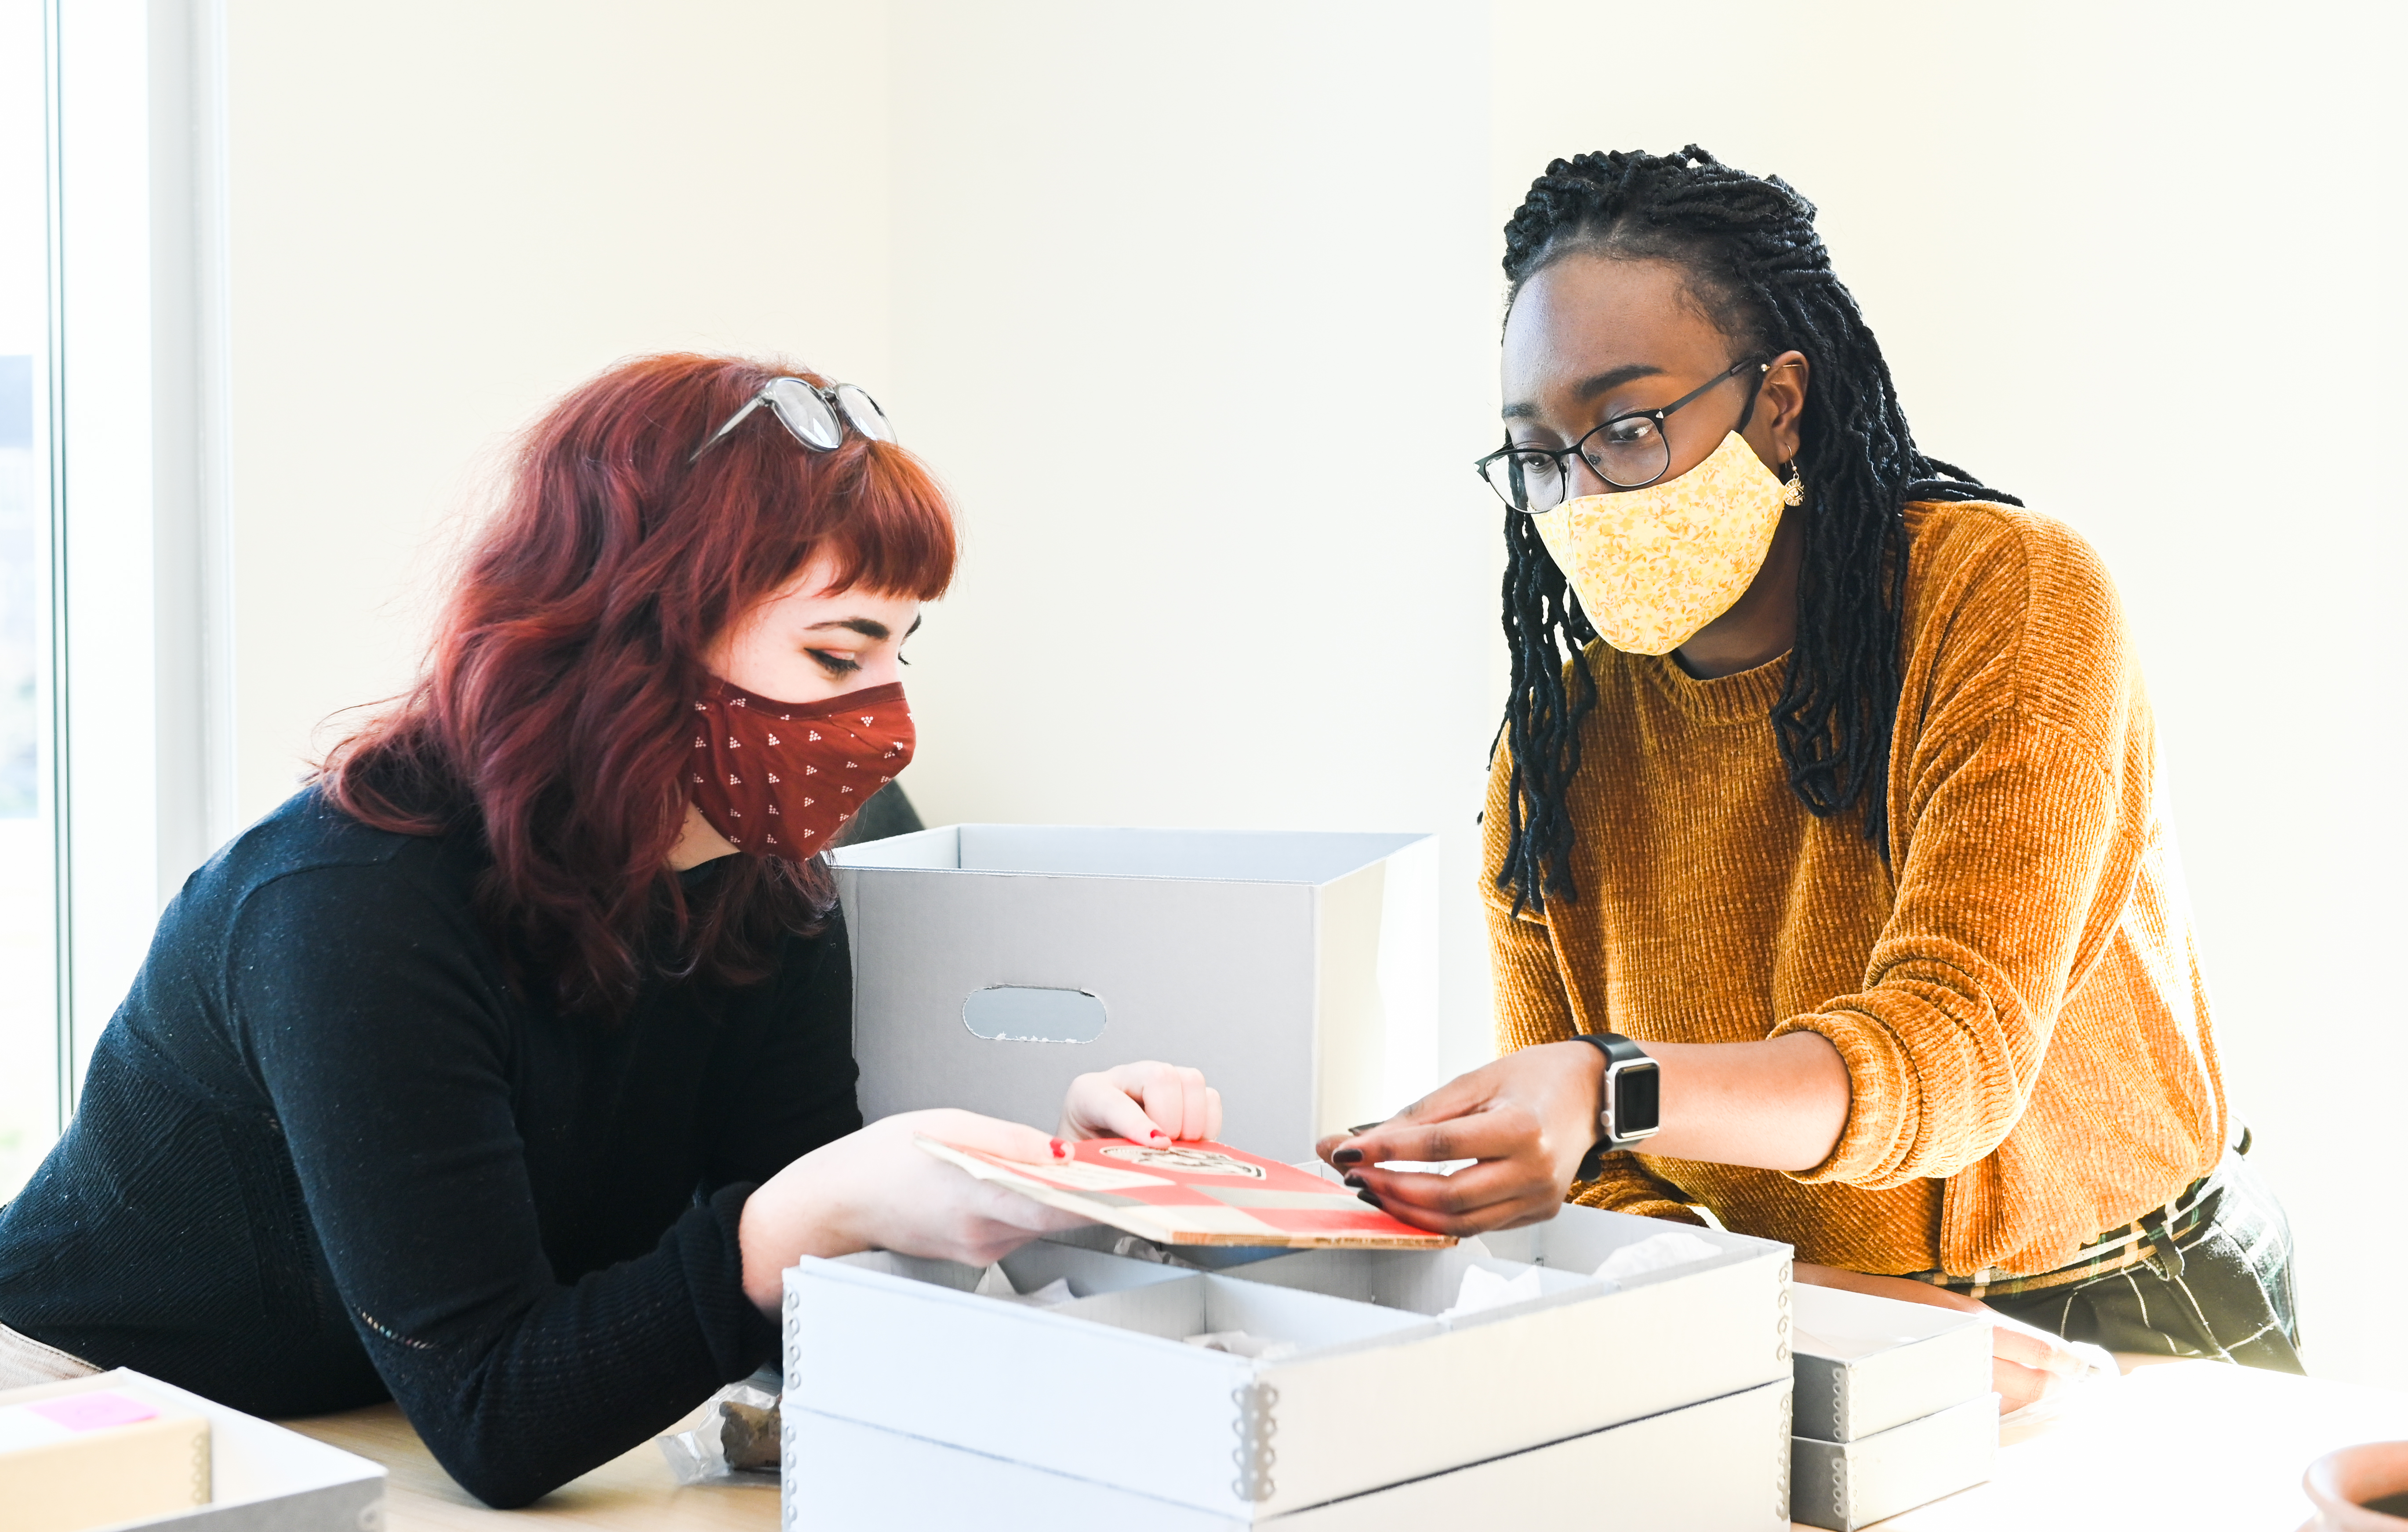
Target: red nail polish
1061,1150
1161,1137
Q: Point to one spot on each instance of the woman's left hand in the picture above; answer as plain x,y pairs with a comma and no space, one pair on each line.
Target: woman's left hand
1144,1103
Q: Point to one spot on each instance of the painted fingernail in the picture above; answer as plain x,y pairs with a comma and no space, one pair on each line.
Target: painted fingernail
1355,1182
1348,1156
1159,1137
1372,1197
1061,1150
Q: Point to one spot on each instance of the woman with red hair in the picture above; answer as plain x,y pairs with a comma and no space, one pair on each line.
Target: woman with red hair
506,1067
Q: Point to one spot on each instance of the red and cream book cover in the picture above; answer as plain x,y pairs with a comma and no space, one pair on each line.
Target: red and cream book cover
1197,1193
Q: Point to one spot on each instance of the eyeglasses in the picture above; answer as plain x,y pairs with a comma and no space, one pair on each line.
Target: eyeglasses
1628,451
812,415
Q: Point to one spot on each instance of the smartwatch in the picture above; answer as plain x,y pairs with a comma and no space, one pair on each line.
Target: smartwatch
1629,1099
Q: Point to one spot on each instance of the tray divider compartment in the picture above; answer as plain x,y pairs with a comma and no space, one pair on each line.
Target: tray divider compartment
1197,1303
1417,1281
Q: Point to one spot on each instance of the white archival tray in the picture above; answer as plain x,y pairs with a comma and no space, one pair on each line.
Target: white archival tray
1866,1363
1298,970
1847,1485
1718,1467
1103,1389
262,1478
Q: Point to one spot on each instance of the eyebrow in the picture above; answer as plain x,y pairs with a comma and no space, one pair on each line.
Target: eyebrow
1589,388
868,627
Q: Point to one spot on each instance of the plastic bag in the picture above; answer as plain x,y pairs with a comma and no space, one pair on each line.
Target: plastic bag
737,1443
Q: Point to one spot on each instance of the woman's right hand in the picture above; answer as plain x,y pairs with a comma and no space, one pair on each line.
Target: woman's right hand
1529,1118
876,1190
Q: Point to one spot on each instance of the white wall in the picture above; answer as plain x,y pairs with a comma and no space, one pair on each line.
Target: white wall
1193,315
1195,307
444,215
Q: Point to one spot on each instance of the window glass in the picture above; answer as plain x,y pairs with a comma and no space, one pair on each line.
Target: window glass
29,1073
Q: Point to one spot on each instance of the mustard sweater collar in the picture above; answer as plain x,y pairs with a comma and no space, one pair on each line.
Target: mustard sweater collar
1744,697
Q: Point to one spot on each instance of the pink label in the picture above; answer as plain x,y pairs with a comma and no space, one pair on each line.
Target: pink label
94,1411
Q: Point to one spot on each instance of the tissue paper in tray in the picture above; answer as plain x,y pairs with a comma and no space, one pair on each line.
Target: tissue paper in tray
1104,1388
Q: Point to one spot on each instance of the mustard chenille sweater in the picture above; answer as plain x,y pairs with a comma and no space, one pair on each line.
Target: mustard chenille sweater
2018,995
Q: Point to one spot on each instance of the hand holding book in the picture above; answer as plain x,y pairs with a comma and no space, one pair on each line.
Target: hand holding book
874,1189
1197,1193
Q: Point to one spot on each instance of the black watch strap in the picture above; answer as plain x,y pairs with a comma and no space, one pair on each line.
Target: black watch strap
1626,1099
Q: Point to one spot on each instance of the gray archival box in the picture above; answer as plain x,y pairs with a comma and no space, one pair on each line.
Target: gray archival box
1298,970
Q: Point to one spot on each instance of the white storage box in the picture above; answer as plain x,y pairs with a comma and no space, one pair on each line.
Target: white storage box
1693,1468
1378,1391
994,962
1847,1485
1866,1364
262,1478
1893,1409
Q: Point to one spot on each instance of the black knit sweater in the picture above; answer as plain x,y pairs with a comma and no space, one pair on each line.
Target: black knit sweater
325,1152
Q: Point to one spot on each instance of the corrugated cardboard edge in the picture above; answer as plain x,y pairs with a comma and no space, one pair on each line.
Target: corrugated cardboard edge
1133,1220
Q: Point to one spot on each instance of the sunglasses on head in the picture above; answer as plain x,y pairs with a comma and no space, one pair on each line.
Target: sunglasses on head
812,415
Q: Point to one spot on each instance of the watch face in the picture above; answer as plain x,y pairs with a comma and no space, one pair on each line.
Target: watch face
1636,1095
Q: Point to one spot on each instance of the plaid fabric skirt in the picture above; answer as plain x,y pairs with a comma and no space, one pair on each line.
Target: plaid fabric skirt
2208,1275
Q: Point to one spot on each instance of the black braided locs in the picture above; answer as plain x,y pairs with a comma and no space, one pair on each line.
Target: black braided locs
1747,248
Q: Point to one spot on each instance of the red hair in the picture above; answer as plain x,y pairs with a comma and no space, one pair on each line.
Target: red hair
551,716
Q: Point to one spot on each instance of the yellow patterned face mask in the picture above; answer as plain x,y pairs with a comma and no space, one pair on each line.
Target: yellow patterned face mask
1653,566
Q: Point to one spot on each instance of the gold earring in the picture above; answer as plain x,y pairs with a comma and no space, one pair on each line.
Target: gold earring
1794,492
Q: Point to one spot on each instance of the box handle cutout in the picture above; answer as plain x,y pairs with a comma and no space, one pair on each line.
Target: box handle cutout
1023,1013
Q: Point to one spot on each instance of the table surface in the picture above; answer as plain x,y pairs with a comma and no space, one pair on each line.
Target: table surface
632,1490
2196,1445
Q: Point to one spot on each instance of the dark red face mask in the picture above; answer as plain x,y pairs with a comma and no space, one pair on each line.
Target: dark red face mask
777,778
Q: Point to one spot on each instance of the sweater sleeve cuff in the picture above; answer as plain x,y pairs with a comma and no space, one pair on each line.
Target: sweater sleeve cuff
741,1336
1880,1131
1624,1186
1593,1194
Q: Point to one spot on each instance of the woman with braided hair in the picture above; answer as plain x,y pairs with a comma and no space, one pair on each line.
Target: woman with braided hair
1828,871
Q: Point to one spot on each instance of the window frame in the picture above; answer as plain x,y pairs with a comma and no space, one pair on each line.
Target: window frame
136,434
